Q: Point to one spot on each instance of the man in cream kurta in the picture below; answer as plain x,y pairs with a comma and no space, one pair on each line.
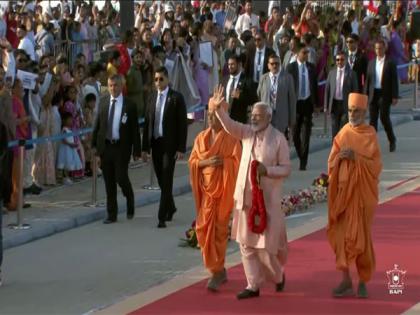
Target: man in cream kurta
263,255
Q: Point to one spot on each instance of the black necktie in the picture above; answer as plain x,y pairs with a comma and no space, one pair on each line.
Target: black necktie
231,88
111,120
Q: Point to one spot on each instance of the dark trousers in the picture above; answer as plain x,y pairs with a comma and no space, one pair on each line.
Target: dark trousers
379,108
164,165
114,167
302,129
339,117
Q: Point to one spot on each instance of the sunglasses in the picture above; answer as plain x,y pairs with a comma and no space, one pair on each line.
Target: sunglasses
340,59
159,79
274,63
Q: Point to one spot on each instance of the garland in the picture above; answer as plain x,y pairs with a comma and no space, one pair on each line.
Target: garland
257,217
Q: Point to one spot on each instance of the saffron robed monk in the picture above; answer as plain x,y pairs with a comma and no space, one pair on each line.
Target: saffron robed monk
354,166
263,254
214,163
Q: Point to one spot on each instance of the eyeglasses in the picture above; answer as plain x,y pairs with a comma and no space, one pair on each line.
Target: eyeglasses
159,79
340,59
274,63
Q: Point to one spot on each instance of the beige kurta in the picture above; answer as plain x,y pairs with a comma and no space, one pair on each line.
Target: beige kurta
270,148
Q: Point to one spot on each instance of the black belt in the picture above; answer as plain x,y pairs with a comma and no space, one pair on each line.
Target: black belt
112,141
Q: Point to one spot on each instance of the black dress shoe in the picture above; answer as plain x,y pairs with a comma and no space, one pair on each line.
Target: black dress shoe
392,146
36,190
27,191
110,221
170,216
246,294
280,286
26,205
130,216
161,225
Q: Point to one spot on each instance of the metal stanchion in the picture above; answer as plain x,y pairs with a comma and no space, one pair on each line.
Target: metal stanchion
152,185
416,107
19,225
94,166
325,124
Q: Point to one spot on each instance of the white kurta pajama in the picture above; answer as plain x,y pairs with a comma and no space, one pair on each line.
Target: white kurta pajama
263,255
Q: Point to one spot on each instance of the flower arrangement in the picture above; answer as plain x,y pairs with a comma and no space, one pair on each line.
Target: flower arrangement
304,198
190,239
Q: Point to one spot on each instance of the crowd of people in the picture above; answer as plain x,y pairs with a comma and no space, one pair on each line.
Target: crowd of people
282,58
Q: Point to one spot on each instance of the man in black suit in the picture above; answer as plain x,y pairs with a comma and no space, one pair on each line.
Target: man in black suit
165,133
240,91
306,85
341,82
115,138
257,61
357,60
382,90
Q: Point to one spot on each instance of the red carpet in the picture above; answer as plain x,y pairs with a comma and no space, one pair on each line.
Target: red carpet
311,275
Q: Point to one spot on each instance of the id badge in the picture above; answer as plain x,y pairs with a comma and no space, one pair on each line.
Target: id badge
124,119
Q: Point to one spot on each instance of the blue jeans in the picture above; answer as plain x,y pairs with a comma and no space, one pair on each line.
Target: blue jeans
1,235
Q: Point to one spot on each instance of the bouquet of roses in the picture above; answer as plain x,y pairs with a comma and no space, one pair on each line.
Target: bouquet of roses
191,237
322,181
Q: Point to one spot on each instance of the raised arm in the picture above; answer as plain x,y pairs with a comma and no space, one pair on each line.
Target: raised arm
218,104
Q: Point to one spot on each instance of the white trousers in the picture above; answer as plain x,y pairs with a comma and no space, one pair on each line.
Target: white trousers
260,266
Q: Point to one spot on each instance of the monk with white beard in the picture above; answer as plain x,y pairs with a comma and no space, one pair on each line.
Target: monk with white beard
263,254
354,166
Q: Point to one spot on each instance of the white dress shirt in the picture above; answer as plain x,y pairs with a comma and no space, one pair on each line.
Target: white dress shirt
352,55
230,83
258,68
117,116
162,110
245,22
378,72
307,89
339,85
27,45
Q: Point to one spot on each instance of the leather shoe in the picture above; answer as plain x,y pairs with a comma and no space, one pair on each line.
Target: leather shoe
280,285
130,216
392,147
170,216
109,221
302,167
161,225
246,294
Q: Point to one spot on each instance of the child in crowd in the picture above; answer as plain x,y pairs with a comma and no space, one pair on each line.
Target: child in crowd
88,114
68,159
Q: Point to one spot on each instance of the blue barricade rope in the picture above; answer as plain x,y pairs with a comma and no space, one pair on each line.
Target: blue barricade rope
58,137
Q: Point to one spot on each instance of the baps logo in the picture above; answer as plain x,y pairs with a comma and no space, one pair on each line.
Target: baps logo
396,280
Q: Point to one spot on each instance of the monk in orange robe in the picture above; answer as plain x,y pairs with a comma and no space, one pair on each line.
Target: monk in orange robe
214,164
354,166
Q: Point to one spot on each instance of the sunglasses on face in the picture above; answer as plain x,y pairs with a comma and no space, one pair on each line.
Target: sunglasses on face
274,63
160,79
339,59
